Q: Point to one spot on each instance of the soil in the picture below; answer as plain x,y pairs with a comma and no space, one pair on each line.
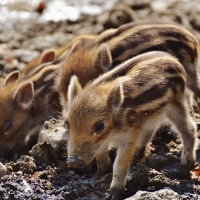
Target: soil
43,173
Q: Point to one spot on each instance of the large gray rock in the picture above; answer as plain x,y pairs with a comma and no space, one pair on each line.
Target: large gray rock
54,134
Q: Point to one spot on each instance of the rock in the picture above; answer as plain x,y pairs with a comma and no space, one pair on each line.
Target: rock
157,195
44,154
53,133
3,170
166,194
25,164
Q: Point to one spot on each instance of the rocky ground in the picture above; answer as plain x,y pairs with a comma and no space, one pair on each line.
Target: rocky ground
43,173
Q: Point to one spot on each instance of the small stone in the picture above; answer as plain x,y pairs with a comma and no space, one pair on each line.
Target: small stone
3,170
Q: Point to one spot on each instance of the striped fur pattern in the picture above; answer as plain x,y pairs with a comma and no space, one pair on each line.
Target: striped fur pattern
123,108
89,60
25,103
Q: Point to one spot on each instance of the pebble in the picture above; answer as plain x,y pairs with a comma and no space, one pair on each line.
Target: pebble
3,170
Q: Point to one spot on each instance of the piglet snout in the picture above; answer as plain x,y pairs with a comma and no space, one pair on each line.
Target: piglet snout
76,162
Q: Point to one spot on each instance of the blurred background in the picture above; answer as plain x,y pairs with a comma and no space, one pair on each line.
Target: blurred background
52,10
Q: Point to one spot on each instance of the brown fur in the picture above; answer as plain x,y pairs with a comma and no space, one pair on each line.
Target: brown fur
139,95
127,41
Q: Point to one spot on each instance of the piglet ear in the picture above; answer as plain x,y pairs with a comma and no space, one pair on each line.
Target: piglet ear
76,46
105,57
48,56
66,54
73,89
116,96
13,76
24,95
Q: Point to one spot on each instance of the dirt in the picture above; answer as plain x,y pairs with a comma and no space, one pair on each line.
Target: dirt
43,172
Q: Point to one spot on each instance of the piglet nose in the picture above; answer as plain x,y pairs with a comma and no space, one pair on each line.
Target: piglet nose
75,162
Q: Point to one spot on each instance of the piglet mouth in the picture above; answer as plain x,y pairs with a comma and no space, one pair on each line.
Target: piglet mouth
76,162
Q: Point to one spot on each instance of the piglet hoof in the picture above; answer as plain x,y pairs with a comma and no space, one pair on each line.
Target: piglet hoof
114,194
184,171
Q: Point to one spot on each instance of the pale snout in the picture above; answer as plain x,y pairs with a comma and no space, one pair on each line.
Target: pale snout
76,162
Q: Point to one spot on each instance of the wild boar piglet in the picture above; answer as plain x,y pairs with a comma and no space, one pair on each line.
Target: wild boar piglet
25,103
123,108
114,46
50,55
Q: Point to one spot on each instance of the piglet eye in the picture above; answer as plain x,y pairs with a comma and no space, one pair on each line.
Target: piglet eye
66,124
99,127
7,125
